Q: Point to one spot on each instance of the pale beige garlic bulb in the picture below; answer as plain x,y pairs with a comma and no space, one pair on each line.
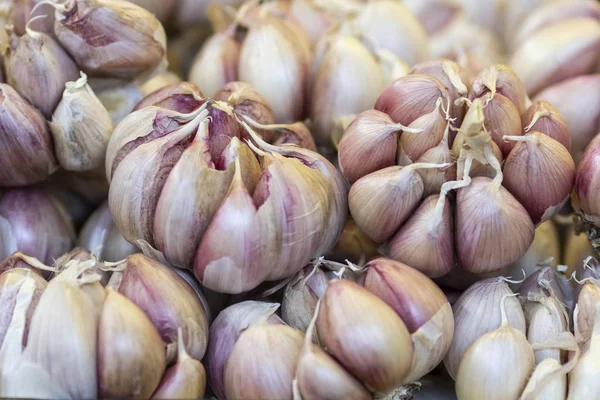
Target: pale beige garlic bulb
109,38
420,304
576,99
38,68
477,312
558,52
507,375
365,335
334,92
80,127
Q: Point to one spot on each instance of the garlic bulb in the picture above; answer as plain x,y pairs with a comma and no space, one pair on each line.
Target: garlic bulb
420,304
348,319
184,97
39,68
225,331
110,39
131,356
576,99
332,95
33,223
477,312
23,129
506,377
168,301
189,227
560,51
100,236
81,128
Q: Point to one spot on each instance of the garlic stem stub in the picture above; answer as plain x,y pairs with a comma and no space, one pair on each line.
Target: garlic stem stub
287,210
478,209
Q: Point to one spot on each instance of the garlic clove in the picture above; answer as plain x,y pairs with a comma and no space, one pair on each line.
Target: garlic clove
11,282
160,81
183,97
420,304
585,191
301,295
294,134
23,13
589,298
100,236
543,117
225,331
332,97
507,376
434,179
477,169
476,312
365,335
546,317
369,144
434,15
284,90
184,380
108,38
558,52
131,354
500,218
500,79
411,97
146,167
539,172
39,68
429,131
315,21
216,63
66,321
246,101
81,128
393,27
501,119
234,269
23,129
380,202
426,240
583,383
168,301
34,223
253,372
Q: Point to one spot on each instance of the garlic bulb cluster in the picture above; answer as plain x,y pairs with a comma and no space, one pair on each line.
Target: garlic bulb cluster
319,46
209,204
142,336
100,236
557,42
47,79
34,223
512,163
389,329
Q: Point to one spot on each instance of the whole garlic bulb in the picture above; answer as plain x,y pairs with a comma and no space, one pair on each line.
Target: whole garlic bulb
34,223
190,227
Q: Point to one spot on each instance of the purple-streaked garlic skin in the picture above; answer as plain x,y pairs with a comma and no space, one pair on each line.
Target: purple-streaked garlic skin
35,224
110,39
550,122
484,213
28,155
587,183
168,301
225,331
183,97
540,173
295,134
246,101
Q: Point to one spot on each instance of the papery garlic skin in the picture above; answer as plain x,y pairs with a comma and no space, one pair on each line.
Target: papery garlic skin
35,224
349,319
131,356
184,97
81,128
39,68
247,102
100,236
23,128
225,331
541,60
110,38
543,117
473,318
476,238
216,63
253,372
301,296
